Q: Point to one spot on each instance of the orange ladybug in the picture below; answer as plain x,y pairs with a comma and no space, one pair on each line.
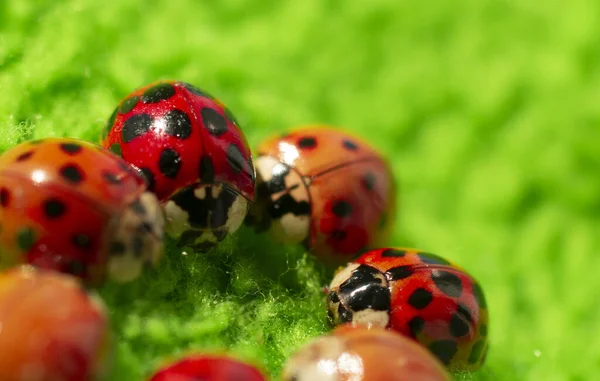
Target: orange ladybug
362,354
72,206
50,328
326,189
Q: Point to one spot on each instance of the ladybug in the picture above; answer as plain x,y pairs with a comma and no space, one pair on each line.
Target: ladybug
362,354
52,329
418,294
194,155
325,189
208,368
72,206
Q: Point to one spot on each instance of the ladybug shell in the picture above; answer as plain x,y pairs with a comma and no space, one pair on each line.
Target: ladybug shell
179,135
50,325
208,368
57,198
352,191
430,299
358,353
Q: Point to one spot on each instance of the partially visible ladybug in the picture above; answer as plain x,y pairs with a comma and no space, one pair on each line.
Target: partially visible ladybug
208,368
326,189
357,353
72,206
418,294
51,328
194,155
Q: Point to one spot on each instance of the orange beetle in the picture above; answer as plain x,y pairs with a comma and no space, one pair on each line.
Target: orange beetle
75,207
362,354
324,188
50,328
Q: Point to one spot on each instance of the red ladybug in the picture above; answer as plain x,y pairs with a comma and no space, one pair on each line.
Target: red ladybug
208,368
419,295
326,189
73,206
194,155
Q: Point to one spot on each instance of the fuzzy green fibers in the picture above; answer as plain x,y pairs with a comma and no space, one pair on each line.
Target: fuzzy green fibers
488,110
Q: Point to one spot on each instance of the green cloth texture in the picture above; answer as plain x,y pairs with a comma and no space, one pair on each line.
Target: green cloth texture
487,110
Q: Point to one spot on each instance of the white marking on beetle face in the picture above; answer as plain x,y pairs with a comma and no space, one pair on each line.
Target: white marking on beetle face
343,275
177,219
200,193
236,214
371,318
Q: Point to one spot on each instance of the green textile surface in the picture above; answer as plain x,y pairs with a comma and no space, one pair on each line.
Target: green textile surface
488,111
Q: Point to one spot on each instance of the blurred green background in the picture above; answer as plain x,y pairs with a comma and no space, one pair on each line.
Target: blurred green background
488,111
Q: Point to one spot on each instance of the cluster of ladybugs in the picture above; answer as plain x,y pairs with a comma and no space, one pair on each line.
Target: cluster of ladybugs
172,159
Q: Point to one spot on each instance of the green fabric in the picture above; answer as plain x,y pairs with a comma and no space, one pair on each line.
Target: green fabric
487,109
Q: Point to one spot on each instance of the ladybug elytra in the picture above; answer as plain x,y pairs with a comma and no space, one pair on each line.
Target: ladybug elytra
209,368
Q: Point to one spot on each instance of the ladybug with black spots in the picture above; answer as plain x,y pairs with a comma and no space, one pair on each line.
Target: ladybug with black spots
418,294
194,155
208,367
74,207
326,189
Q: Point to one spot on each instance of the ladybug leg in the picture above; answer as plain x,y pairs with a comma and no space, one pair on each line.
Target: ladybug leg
136,238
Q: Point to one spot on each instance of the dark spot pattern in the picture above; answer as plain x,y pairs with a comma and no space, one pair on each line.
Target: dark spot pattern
72,173
54,208
420,298
476,351
111,177
24,156
399,272
307,142
159,92
207,170
25,239
432,259
444,350
342,209
447,282
458,326
333,297
288,204
479,296
196,91
116,149
463,311
365,289
209,213
82,241
349,145
4,197
214,122
71,148
136,126
116,248
393,253
149,176
169,163
235,158
178,124
129,104
344,315
368,181
416,325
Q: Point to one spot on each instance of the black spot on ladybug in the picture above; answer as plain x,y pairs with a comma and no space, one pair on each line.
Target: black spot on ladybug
479,296
82,241
169,163
349,145
432,259
463,311
476,351
231,117
76,268
178,124
116,149
447,282
149,176
444,350
25,156
54,208
4,197
420,298
196,91
235,158
214,122
159,92
111,177
129,104
400,272
136,126
368,181
207,170
342,209
116,248
109,123
25,239
483,330
307,142
72,173
71,148
393,253
365,289
458,326
416,325
338,235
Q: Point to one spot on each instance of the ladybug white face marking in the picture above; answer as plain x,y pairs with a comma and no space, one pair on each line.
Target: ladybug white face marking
136,239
